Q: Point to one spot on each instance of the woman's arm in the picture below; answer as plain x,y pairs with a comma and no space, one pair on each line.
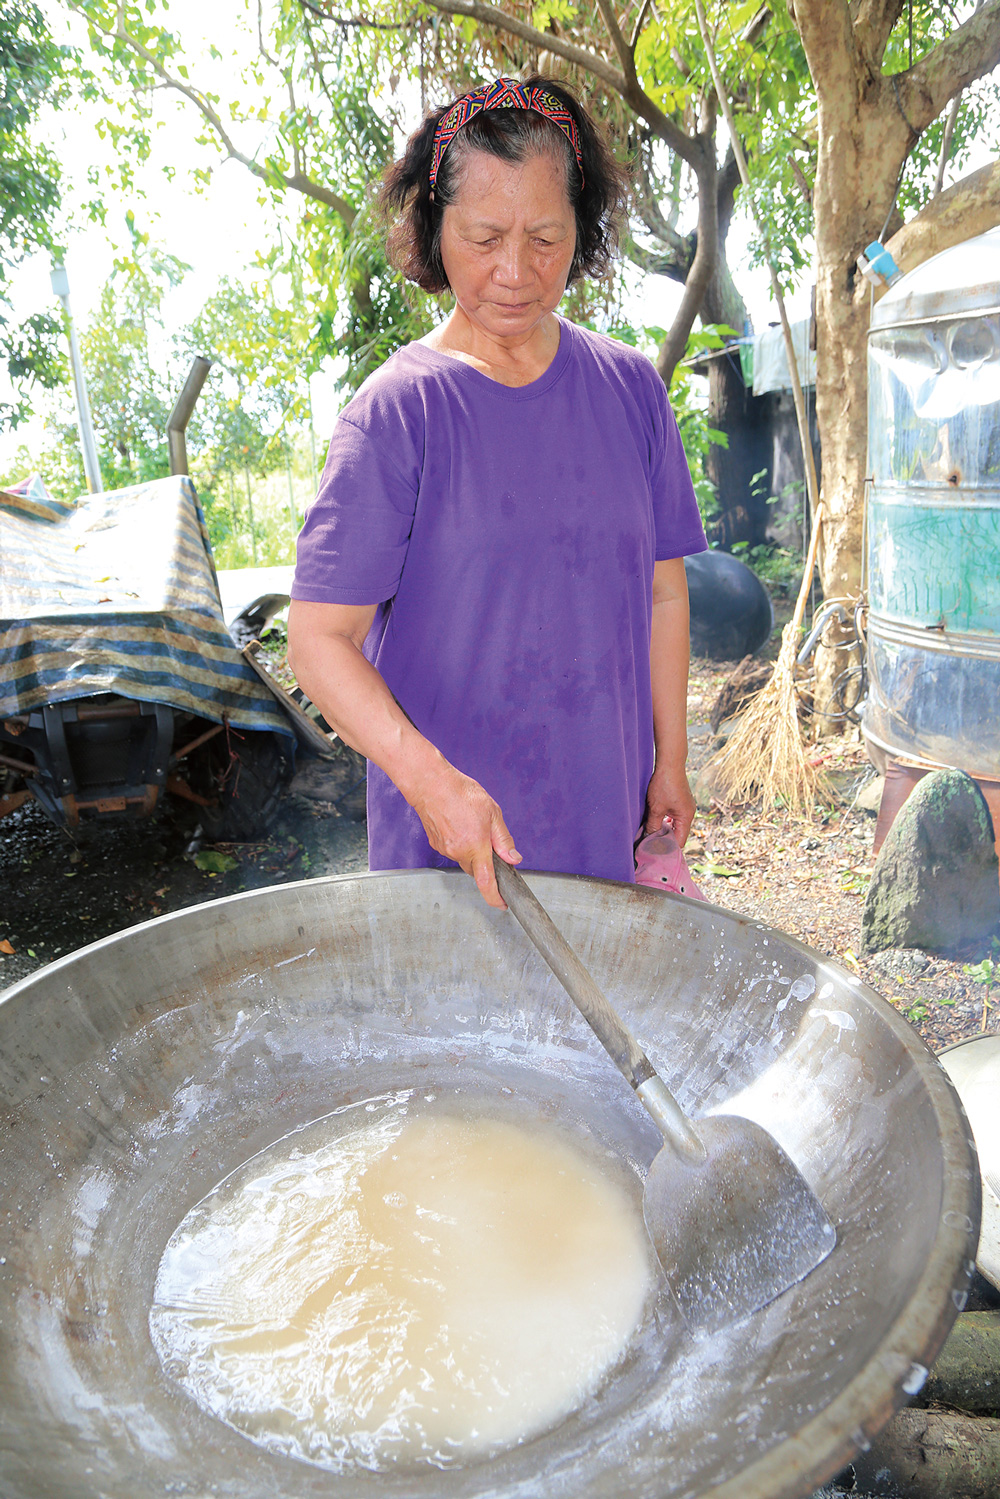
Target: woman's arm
461,820
669,794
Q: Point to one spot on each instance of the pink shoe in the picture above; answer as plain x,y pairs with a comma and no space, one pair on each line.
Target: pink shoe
660,861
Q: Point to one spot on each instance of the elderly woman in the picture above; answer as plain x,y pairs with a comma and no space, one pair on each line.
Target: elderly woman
490,598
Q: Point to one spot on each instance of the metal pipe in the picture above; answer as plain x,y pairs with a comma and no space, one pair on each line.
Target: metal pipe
22,765
84,420
181,414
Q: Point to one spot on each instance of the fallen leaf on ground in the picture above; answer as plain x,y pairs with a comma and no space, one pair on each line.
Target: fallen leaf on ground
210,861
5,947
716,871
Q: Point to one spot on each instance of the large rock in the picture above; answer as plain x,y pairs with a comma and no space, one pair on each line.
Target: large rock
936,883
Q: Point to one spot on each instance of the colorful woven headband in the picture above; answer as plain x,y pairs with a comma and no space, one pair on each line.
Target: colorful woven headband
505,93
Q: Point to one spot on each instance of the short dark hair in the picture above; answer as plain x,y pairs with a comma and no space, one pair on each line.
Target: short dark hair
414,217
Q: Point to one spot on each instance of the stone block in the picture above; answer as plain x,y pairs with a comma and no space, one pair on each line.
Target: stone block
936,883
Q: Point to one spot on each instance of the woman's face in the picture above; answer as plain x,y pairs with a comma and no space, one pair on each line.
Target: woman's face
507,241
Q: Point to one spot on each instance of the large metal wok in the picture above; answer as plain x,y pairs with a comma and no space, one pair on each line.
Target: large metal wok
136,1073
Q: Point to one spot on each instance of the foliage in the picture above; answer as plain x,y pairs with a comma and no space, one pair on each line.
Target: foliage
255,398
321,114
129,375
31,76
697,433
131,385
985,972
366,312
853,880
780,133
779,568
325,98
247,420
978,115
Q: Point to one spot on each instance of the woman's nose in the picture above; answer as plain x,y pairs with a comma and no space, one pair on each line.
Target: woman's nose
513,264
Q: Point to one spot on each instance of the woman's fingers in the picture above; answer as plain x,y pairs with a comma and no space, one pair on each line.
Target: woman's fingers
670,796
464,823
483,871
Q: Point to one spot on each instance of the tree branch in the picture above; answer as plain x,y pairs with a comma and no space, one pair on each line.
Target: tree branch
656,262
640,22
296,157
688,149
260,37
967,208
873,23
346,22
619,43
680,247
830,45
702,270
298,181
946,138
728,182
967,54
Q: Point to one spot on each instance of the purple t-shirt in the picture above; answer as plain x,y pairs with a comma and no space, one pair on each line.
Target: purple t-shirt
508,536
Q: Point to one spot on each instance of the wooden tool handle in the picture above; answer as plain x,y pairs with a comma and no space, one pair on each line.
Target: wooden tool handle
620,1045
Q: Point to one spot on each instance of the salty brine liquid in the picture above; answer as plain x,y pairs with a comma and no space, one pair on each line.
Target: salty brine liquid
426,1287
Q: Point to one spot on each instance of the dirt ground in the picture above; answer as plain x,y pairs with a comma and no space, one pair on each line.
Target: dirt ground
59,892
809,878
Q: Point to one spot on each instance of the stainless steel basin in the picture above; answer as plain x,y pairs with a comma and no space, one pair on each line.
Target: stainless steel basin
136,1073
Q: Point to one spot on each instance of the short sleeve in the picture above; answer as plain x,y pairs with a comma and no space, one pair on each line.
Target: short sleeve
353,544
679,529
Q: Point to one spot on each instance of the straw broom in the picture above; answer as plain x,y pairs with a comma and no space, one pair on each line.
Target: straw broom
765,755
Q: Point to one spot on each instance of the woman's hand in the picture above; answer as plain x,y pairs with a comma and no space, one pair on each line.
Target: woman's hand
669,795
464,823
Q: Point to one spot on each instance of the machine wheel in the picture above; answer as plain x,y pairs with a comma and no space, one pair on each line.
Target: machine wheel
250,770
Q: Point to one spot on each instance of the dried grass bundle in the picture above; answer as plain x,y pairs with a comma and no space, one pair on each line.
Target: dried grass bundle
764,756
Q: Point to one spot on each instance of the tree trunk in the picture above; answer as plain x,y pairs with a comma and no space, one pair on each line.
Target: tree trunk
868,122
855,188
732,409
704,265
863,139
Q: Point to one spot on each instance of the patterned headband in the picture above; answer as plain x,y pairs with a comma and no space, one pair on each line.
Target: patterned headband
505,93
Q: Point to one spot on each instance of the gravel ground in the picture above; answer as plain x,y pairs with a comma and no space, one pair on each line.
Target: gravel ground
60,892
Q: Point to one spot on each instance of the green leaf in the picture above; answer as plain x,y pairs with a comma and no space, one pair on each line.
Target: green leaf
211,861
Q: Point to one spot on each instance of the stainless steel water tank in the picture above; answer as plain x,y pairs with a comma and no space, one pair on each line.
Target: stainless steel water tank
933,523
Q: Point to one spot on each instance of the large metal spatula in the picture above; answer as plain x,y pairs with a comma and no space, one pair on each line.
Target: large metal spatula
732,1220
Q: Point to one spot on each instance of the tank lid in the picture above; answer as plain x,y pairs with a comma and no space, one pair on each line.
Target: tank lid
958,281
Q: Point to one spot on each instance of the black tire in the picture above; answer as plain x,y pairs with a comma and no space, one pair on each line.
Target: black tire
249,780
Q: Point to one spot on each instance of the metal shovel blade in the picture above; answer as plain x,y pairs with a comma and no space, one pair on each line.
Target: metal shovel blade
735,1230
732,1220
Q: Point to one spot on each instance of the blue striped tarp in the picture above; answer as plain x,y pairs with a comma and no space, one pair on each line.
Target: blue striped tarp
120,595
